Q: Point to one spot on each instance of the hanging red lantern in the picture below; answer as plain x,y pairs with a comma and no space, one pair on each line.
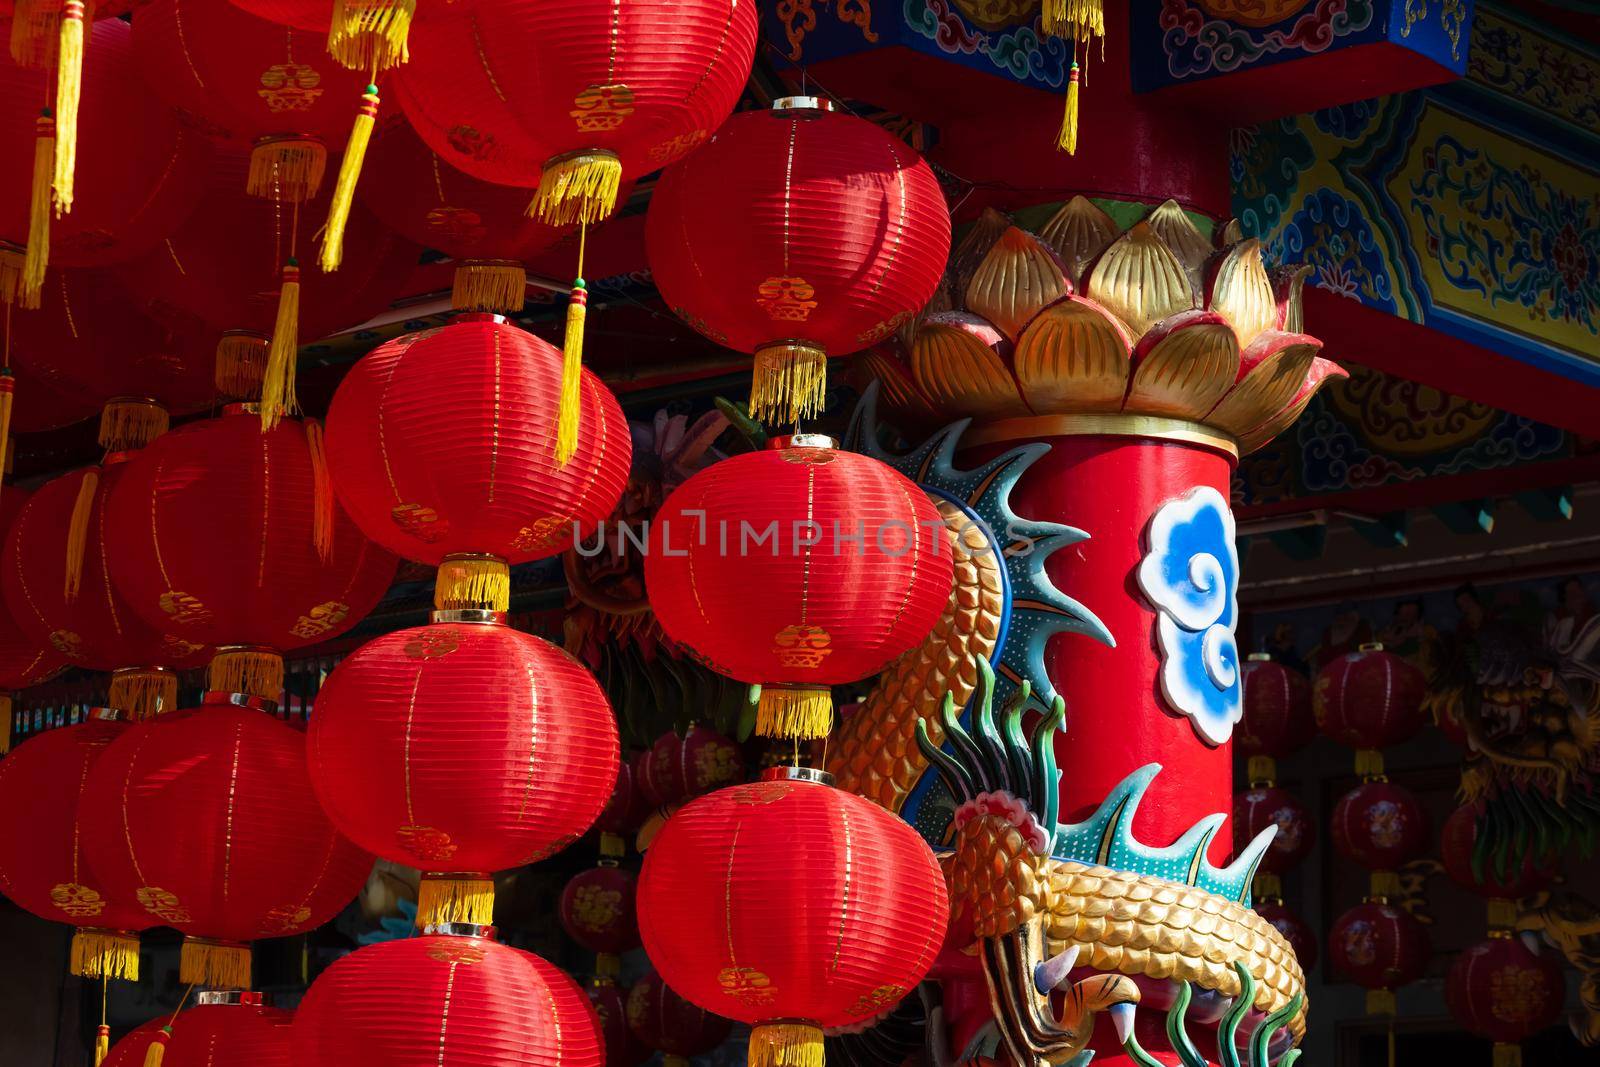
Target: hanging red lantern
1502,882
43,868
795,235
678,768
390,1003
1301,937
442,443
1379,947
232,1025
406,775
47,405
854,569
130,1051
625,808
610,1002
228,536
792,906
1256,809
597,911
1381,826
208,821
24,662
1277,715
1502,990
662,1020
1369,699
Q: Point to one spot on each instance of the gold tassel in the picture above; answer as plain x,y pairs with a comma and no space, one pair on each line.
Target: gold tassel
131,422
1075,19
577,187
216,964
1268,886
370,34
489,285
1369,763
142,693
607,965
99,953
472,582
287,170
78,534
322,505
571,410
790,382
102,1044
34,34
1380,1002
38,254
8,396
250,670
344,190
612,846
13,269
157,1049
1507,1055
1384,885
1502,914
241,364
455,898
277,381
788,1044
1067,139
1261,770
5,723
69,93
801,712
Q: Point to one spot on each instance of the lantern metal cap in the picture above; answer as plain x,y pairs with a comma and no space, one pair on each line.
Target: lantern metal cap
796,774
785,104
1259,657
240,700
241,407
457,930
246,997
1371,646
802,440
474,616
105,714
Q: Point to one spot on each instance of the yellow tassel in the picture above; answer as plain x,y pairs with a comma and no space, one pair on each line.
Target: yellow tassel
78,534
1380,1002
790,382
789,1044
471,582
455,898
801,712
241,364
157,1049
98,953
277,380
287,170
370,34
571,410
38,254
34,34
216,964
253,671
1384,885
322,504
489,285
1074,19
102,1044
612,846
8,395
577,187
13,269
1507,1055
1369,763
607,965
5,723
131,422
1502,914
1268,886
668,1059
142,693
1067,140
69,92
344,190
1261,770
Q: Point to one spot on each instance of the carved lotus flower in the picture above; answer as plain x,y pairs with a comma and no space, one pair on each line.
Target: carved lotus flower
1080,319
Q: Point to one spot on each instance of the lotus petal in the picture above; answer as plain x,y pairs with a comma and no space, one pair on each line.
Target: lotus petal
1019,276
1241,290
1230,233
970,251
1139,280
954,363
1322,372
1288,288
897,392
1272,369
1177,230
1183,365
1073,357
1078,232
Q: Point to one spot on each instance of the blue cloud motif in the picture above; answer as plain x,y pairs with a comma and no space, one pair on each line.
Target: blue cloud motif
1191,574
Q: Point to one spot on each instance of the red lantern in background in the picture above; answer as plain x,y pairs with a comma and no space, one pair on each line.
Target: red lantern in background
610,1002
749,907
1369,699
625,808
389,1003
1256,809
1379,947
1519,876
209,822
404,773
597,911
663,1020
24,662
676,769
234,1024
1502,990
1301,937
1381,826
826,232
859,569
1277,715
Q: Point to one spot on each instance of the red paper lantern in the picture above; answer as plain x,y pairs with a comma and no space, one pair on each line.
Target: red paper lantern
24,661
445,1001
1380,825
231,1027
677,768
854,570
43,868
575,96
368,35
1379,947
663,1020
1502,990
1369,699
1277,713
610,1002
793,906
1295,930
625,808
597,910
443,443
797,234
1521,875
130,1051
1256,809
405,774
234,536
207,819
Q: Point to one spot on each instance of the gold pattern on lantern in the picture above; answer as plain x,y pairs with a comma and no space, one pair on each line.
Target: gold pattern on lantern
876,1000
676,146
78,901
419,521
288,917
162,903
700,326
179,648
184,607
456,223
430,644
456,950
764,792
808,457
595,908
426,842
543,533
874,334
600,108
801,646
1517,995
786,299
746,985
717,765
67,643
290,87
320,619
472,142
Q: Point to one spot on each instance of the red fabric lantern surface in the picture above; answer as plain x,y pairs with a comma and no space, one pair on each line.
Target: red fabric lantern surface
597,910
24,662
1380,825
43,868
854,571
793,906
248,1034
797,234
42,404
445,1001
1295,930
404,773
130,1050
1369,699
625,809
207,819
677,768
1521,876
1256,809
610,1002
663,1020
1378,946
576,95
1501,990
1277,709
443,442
220,527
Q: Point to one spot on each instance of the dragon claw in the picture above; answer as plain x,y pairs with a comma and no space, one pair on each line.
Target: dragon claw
1052,973
1122,1018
